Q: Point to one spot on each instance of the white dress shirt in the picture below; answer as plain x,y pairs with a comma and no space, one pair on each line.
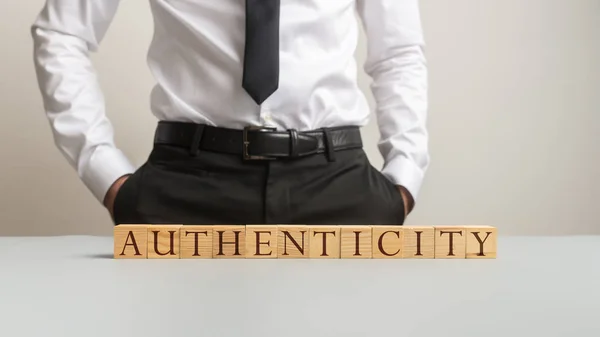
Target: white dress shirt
196,57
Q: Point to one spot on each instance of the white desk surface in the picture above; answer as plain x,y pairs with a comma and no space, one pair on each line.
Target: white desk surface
71,286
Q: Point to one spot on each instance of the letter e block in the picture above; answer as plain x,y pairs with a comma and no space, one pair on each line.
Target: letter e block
130,242
481,242
261,242
450,242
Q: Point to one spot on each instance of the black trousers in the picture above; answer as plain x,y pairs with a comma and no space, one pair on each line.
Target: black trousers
174,187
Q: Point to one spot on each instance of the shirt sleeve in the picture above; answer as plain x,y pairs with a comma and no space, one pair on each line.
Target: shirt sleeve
64,34
397,65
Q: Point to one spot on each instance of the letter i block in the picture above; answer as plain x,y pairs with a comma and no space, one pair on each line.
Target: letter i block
229,242
356,242
387,242
481,242
196,242
261,242
163,241
292,242
324,242
450,242
130,242
419,242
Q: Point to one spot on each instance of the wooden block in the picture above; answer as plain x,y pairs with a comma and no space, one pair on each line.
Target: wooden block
163,241
387,242
482,242
419,242
130,242
196,242
229,242
292,242
261,241
450,242
356,242
324,242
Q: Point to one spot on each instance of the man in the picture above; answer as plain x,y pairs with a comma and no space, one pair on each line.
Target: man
258,106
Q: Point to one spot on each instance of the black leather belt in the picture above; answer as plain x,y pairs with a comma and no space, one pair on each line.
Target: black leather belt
258,143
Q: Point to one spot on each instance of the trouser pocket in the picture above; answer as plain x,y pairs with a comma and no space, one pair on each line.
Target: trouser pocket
126,200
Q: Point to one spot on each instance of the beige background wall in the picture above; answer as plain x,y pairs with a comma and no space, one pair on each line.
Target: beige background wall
514,118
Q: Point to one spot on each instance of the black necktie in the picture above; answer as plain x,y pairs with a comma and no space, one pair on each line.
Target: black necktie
261,55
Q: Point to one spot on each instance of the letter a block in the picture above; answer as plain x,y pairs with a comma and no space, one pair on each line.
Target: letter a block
261,242
163,241
229,242
387,242
481,242
130,242
324,242
292,242
196,242
450,242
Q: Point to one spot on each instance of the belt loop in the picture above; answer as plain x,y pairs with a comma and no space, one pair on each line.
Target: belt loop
293,142
328,144
196,139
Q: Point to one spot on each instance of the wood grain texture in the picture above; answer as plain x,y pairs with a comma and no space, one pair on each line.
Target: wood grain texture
356,242
419,242
130,241
293,242
163,241
387,242
324,242
196,242
450,242
261,241
229,242
482,242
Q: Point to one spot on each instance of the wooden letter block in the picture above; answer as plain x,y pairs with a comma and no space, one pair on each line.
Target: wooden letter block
131,242
418,242
196,242
261,242
356,242
324,242
450,242
229,242
387,242
163,241
481,242
292,241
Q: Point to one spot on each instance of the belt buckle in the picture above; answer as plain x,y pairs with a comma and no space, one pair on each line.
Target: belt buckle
247,142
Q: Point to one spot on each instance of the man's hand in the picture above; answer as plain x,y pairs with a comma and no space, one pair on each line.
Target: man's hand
407,198
109,199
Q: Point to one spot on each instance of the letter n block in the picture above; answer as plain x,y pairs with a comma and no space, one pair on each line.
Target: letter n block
163,241
130,242
292,242
356,242
387,242
196,242
324,242
229,242
261,242
481,242
450,242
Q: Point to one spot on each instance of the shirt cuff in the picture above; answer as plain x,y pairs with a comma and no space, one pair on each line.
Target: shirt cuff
402,171
105,166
